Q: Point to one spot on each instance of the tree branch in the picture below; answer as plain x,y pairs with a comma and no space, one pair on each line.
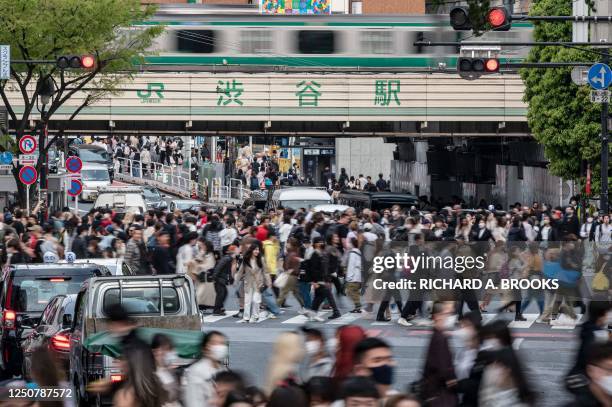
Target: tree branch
8,106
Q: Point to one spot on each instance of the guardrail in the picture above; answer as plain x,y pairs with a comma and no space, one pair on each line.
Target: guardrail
177,181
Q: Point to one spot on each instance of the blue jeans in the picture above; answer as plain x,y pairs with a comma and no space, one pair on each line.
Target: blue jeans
269,301
305,291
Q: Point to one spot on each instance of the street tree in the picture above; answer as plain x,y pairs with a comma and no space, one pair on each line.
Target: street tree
560,115
39,31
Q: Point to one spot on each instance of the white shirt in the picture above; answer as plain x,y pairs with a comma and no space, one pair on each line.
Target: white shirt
284,232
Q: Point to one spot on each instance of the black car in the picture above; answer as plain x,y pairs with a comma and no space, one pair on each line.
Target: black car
153,198
89,153
52,332
25,290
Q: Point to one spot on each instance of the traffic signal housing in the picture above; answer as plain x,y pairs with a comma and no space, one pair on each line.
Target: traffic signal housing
481,65
460,18
499,19
76,62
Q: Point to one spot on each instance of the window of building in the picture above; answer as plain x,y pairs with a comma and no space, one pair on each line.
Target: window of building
316,42
196,41
377,42
255,42
356,7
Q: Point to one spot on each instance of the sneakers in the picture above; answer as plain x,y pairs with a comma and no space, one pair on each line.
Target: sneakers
243,321
356,311
272,316
254,320
520,317
219,313
315,318
404,322
334,316
238,314
302,311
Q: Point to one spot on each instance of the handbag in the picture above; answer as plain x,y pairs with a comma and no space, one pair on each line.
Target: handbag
281,280
601,281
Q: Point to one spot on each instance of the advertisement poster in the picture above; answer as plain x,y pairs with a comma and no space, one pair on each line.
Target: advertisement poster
295,7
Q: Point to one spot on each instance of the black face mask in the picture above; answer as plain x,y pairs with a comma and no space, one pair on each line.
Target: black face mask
382,374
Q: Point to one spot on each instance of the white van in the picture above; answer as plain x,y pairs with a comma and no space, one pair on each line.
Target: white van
296,198
122,199
94,177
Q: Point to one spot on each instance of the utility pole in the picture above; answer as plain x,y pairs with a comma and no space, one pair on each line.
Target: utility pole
603,205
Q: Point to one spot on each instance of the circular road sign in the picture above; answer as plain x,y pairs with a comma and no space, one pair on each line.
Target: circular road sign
73,164
599,76
76,186
28,175
6,158
27,144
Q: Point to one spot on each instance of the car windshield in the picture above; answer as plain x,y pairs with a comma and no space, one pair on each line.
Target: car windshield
95,175
32,294
152,194
303,203
185,205
93,155
143,300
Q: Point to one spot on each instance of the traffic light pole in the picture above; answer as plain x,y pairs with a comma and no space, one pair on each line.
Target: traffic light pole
603,204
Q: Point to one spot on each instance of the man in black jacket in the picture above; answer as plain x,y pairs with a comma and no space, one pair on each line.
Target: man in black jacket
222,276
318,275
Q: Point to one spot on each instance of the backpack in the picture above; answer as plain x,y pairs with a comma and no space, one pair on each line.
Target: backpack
601,281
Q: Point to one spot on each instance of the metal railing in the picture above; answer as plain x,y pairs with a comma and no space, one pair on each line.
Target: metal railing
178,181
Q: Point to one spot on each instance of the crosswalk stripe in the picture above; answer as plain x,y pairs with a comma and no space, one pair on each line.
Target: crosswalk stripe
570,325
524,324
299,319
209,319
345,319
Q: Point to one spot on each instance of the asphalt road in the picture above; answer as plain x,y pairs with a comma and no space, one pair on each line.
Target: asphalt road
546,352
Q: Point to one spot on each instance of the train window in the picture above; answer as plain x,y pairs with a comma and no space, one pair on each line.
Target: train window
255,42
414,37
377,42
196,41
316,42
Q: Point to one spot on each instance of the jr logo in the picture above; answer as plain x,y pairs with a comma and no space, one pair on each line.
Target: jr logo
153,94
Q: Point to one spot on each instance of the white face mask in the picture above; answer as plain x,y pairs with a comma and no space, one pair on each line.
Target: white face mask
590,220
449,322
601,336
463,334
332,345
170,358
312,347
490,344
606,384
218,352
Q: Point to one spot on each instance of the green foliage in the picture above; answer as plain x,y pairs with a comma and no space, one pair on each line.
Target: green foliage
560,115
47,29
42,30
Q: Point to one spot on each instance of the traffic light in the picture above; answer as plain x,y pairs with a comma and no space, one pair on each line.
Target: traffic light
76,62
460,18
499,19
477,65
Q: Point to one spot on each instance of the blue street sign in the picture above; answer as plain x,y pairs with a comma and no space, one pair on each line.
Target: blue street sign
599,76
6,158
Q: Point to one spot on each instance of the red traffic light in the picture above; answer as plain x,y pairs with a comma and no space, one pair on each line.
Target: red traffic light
88,61
492,65
499,18
76,62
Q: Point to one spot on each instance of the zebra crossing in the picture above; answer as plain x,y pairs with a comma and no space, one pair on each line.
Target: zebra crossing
291,318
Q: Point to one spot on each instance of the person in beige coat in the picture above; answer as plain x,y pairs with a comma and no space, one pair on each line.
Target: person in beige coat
256,279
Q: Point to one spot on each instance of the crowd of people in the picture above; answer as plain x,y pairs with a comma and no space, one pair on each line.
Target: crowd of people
273,260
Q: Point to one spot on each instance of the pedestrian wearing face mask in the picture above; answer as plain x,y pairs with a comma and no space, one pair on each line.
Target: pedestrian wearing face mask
319,363
504,383
595,390
198,387
587,234
439,380
165,363
374,359
592,332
